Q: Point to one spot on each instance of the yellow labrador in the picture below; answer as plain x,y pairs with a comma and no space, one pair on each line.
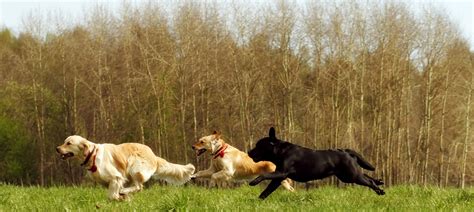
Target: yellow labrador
125,164
229,163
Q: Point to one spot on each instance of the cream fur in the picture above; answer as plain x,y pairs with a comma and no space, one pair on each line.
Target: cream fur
128,163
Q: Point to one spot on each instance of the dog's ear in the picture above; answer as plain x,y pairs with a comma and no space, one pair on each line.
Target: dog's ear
216,134
85,148
271,133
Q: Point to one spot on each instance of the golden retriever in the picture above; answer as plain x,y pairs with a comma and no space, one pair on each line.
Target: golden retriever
129,164
229,163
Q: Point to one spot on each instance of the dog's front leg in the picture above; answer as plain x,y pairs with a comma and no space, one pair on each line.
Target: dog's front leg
256,181
114,188
270,188
203,174
223,175
271,176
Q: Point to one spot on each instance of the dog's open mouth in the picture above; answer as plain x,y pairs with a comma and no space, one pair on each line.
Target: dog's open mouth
66,155
200,151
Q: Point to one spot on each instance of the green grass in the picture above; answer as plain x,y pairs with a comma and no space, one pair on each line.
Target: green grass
245,198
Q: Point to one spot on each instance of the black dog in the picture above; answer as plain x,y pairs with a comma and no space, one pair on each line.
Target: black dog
302,164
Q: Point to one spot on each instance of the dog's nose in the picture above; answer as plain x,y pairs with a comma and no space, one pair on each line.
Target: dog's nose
193,147
57,150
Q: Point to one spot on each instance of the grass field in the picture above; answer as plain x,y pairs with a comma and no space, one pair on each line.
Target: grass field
245,198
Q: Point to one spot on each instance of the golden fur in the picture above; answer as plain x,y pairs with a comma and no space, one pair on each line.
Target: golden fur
125,164
234,165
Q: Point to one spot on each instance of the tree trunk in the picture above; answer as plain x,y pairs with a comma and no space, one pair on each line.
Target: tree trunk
443,121
428,100
39,130
467,132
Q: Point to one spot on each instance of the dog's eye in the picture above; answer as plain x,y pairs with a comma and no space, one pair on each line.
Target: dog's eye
68,143
201,142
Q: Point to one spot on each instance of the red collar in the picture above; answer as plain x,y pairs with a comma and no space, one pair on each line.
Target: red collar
220,152
93,168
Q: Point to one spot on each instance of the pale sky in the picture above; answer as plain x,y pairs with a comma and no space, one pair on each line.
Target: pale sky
12,13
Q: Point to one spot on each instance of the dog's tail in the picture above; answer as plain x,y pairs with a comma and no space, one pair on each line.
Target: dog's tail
173,173
360,160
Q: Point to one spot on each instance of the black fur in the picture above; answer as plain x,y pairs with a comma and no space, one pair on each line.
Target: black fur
303,164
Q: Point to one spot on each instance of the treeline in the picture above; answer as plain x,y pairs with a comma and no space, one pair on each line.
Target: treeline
393,84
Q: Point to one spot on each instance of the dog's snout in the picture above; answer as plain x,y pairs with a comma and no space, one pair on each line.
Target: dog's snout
58,149
193,147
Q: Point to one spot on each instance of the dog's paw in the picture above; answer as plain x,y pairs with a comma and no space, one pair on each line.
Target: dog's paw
262,196
115,197
123,197
379,182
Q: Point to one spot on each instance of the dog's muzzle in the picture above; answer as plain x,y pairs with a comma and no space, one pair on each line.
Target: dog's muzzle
64,156
198,151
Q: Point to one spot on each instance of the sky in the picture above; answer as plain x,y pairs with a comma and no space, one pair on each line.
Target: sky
14,12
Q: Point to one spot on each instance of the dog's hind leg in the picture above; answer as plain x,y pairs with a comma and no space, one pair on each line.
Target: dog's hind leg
140,172
376,181
270,188
349,173
137,183
365,181
134,188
